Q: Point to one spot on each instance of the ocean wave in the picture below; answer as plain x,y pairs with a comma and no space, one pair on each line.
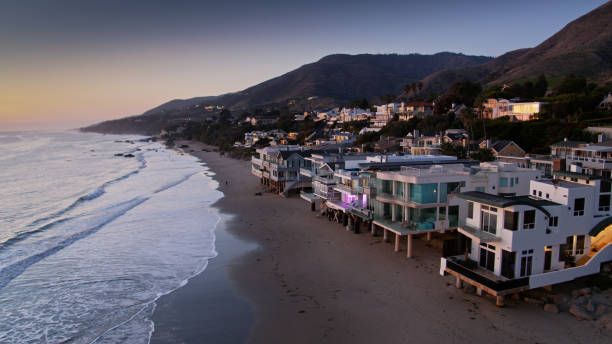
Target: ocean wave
99,191
58,242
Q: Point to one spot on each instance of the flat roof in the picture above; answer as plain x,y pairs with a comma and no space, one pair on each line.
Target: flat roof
577,175
397,165
564,183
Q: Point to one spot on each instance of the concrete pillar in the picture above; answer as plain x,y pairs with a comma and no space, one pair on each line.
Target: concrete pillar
349,225
397,242
428,236
373,229
478,291
409,246
385,235
499,301
459,283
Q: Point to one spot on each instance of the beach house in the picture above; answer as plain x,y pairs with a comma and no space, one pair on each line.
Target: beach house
556,233
278,167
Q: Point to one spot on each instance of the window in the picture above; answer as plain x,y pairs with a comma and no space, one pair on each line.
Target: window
503,182
579,244
553,221
516,180
511,220
579,207
480,189
539,193
529,219
470,214
526,262
424,193
511,182
604,186
442,213
487,256
604,202
488,220
547,196
534,192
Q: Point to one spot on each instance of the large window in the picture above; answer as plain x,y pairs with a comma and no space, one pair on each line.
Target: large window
488,219
526,262
511,220
470,214
579,244
529,219
503,182
399,189
387,186
487,256
424,193
579,207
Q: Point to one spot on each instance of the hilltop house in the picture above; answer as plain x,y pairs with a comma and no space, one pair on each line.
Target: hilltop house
496,108
606,103
416,143
503,147
409,110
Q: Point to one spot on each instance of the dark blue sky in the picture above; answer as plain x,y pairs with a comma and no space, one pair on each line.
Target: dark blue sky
96,59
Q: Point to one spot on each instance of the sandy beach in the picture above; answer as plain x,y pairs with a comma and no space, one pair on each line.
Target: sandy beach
309,280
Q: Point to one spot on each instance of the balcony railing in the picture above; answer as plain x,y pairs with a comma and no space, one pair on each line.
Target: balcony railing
256,161
477,232
327,180
343,188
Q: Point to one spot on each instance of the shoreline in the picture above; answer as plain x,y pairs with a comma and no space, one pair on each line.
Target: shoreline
309,280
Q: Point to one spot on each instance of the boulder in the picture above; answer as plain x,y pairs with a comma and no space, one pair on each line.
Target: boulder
550,308
579,312
590,306
560,299
586,292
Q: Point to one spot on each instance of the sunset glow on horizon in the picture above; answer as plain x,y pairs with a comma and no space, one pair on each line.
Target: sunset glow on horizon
71,63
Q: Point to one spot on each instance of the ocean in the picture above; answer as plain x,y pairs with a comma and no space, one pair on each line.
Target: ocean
89,240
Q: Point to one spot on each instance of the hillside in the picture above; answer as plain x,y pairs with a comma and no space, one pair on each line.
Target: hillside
338,79
583,47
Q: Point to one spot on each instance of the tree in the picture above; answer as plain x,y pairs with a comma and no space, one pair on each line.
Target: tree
447,148
361,103
540,87
483,154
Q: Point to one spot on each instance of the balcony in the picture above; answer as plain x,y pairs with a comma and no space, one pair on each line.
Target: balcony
343,188
256,172
256,161
475,232
327,179
306,172
469,270
369,190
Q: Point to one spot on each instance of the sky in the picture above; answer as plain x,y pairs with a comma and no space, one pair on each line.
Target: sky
68,63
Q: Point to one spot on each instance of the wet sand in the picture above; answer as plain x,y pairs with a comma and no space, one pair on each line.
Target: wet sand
309,280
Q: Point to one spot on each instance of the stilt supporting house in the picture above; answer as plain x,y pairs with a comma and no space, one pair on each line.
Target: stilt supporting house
397,242
409,246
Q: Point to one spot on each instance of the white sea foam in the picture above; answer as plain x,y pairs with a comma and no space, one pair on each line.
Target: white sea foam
96,241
